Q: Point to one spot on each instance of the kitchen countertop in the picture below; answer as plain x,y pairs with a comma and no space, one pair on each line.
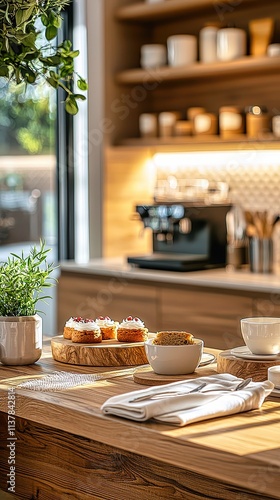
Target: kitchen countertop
218,278
66,448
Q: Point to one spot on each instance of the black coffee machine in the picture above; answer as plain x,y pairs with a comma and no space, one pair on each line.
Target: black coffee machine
185,237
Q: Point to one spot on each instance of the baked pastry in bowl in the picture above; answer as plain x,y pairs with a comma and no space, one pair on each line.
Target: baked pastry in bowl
173,337
132,329
174,359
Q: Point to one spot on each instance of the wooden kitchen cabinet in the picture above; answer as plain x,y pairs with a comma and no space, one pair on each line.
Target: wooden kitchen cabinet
135,90
209,313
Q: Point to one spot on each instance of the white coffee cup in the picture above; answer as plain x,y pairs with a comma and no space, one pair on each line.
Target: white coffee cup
261,334
181,50
153,55
273,374
231,43
148,125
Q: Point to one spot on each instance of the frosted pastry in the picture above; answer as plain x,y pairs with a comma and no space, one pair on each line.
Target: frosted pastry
108,327
132,330
68,329
86,331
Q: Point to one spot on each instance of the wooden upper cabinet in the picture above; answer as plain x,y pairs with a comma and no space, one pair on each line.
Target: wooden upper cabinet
168,9
133,90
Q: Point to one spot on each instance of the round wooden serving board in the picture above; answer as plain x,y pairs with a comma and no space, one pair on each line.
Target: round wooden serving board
257,369
107,353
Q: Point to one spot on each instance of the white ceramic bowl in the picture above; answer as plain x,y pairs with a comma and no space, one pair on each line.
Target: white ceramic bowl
174,359
261,335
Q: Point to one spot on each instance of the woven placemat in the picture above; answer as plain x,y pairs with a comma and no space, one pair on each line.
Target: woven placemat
60,380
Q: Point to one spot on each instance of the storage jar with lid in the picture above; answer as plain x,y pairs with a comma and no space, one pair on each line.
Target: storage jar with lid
183,128
205,124
231,121
257,121
208,44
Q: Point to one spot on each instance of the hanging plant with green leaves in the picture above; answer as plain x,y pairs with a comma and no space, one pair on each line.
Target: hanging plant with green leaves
27,53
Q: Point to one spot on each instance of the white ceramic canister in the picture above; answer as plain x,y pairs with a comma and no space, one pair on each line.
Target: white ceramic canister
231,43
181,50
205,124
153,55
148,125
276,125
273,50
166,123
231,121
208,44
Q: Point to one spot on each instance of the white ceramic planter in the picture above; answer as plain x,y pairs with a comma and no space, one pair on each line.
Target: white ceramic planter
20,339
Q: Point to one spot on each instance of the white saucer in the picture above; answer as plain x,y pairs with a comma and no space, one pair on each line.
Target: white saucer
275,393
245,353
207,358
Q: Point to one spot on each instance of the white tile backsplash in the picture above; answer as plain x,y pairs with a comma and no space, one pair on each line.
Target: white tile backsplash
253,177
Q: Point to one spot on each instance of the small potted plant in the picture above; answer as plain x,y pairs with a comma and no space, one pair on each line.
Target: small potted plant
22,280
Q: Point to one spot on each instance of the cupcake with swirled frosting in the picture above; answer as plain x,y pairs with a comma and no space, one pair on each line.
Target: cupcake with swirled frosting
86,331
107,326
132,329
68,329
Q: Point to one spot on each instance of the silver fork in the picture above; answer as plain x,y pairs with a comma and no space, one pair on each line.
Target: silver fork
162,394
166,393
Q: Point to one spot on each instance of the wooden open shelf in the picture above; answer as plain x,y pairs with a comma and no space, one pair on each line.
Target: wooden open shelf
204,142
248,66
149,12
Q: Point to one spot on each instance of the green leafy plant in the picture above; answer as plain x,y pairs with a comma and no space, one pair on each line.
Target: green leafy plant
26,51
22,280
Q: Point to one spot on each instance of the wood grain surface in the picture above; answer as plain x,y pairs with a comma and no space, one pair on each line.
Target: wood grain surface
107,353
64,467
228,363
67,449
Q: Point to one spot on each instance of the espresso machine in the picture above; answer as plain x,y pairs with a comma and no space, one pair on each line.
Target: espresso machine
186,237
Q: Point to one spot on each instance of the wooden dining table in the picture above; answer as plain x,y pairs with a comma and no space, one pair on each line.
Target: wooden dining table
63,447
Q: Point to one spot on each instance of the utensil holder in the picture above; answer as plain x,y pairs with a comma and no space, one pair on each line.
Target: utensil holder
261,255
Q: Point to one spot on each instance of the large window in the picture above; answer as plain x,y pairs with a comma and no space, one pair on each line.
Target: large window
27,165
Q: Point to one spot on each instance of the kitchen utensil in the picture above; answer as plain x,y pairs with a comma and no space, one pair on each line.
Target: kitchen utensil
163,393
261,254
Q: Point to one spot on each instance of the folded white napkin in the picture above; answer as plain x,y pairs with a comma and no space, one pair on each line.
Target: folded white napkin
214,400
